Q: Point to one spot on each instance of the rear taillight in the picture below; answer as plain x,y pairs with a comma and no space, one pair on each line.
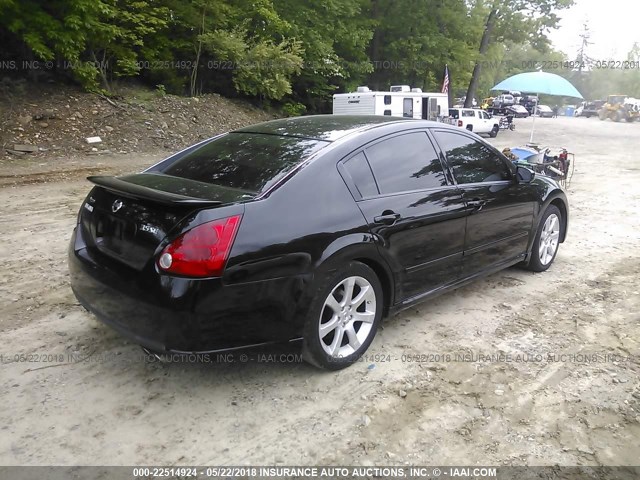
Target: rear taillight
201,251
460,123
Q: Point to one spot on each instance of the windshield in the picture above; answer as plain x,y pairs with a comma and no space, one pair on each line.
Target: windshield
249,162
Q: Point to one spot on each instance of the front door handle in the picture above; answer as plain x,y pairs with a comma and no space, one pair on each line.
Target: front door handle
387,218
476,203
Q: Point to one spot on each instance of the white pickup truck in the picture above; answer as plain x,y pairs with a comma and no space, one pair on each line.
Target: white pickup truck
474,120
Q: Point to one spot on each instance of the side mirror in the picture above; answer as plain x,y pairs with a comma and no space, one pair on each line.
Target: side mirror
524,175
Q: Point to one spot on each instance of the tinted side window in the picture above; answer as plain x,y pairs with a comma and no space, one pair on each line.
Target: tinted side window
387,99
361,175
406,162
471,161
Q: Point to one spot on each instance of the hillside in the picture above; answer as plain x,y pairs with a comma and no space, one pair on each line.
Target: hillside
56,121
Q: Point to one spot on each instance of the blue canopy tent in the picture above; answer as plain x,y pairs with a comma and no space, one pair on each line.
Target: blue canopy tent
539,83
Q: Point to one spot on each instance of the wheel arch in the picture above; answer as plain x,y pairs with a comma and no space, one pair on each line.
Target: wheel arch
558,199
352,248
564,210
385,277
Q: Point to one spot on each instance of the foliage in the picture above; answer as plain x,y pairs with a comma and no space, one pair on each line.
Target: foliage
293,109
296,52
515,21
414,39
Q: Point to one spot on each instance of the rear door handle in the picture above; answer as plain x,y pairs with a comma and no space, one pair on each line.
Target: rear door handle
387,218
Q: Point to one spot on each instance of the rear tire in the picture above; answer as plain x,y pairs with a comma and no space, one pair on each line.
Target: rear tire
343,317
547,240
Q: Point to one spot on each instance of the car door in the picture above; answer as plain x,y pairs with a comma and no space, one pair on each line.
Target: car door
500,210
476,121
412,206
480,125
488,122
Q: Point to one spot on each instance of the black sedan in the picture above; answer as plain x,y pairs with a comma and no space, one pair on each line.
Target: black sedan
518,111
311,228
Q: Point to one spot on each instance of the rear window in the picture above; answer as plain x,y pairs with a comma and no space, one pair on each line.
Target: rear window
249,162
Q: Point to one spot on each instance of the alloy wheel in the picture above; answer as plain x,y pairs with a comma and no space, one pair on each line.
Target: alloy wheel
347,317
549,239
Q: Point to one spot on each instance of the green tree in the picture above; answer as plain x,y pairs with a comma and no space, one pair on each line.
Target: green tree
254,42
58,29
335,53
414,39
119,37
517,21
96,38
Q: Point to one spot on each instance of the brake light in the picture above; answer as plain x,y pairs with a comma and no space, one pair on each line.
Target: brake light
201,251
460,123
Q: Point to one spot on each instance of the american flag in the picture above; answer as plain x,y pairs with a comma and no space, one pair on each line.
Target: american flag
445,82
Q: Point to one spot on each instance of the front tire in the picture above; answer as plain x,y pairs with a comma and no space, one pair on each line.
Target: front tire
547,240
343,318
494,132
619,116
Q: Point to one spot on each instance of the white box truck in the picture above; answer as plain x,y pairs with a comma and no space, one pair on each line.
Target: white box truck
399,101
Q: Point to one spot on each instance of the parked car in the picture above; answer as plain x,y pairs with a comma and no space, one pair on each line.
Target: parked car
544,111
504,100
517,111
589,109
475,120
310,228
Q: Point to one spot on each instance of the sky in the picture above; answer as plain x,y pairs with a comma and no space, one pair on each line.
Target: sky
613,24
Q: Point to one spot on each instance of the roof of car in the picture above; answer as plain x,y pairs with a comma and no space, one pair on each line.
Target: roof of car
321,127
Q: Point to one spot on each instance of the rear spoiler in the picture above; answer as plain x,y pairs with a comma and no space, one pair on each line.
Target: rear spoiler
131,190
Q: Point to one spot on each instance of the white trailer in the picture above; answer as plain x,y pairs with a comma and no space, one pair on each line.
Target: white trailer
399,101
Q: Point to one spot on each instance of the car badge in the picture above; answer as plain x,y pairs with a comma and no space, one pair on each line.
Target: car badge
117,205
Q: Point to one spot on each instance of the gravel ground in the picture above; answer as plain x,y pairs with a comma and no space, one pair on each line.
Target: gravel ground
515,369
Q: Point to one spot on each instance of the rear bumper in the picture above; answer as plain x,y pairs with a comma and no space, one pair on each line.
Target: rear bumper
170,314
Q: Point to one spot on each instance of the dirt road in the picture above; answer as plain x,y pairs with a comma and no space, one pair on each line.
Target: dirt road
518,368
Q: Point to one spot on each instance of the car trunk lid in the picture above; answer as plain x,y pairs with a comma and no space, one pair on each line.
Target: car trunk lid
126,218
